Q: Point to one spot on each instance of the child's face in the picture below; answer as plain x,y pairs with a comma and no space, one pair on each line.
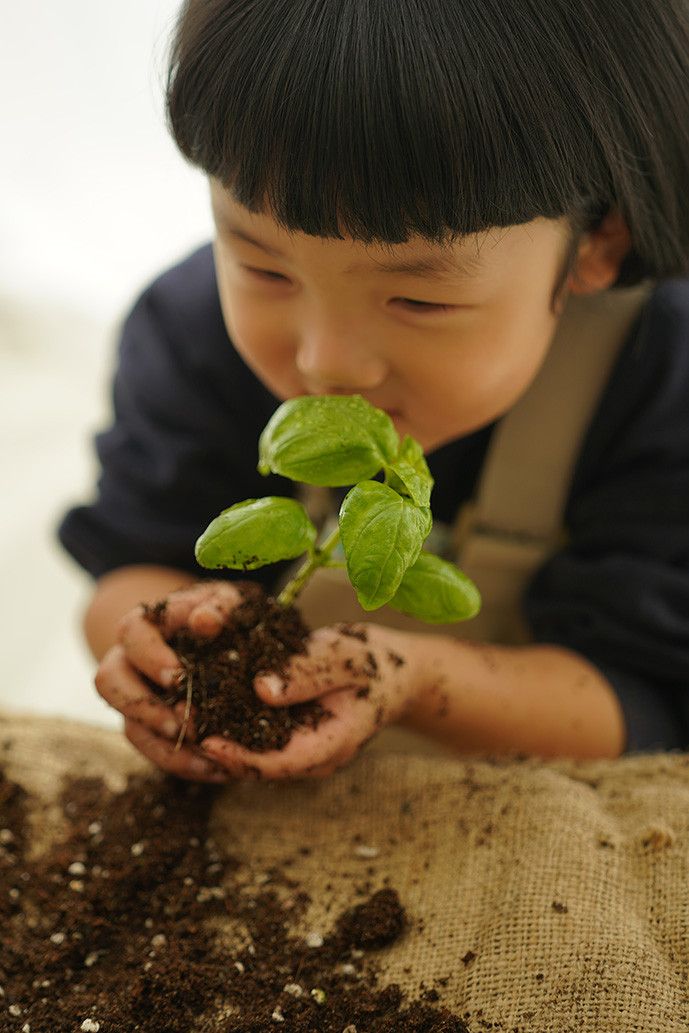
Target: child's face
307,323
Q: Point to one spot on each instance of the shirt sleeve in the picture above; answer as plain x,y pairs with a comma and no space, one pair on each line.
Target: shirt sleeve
619,592
183,442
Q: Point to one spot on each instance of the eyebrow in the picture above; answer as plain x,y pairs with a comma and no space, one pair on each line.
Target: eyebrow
437,267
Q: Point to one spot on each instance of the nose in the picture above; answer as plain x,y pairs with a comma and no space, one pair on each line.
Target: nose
331,363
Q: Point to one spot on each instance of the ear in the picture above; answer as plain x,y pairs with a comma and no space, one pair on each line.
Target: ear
600,255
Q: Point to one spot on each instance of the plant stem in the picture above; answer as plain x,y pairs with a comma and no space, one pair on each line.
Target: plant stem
319,558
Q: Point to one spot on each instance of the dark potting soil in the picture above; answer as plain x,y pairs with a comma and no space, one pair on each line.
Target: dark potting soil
112,929
260,635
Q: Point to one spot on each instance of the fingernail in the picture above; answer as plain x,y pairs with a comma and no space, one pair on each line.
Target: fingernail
170,676
273,685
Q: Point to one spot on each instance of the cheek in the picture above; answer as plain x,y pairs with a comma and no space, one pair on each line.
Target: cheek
517,361
481,376
262,341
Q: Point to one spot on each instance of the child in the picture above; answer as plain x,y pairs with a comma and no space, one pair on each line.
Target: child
414,202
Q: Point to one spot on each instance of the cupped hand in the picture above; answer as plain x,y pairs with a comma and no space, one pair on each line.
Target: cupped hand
141,651
364,675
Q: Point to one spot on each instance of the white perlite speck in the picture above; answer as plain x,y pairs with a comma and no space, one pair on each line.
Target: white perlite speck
207,893
238,965
57,938
277,1015
294,989
77,868
6,837
159,940
14,1010
314,940
349,1029
90,1026
366,851
137,849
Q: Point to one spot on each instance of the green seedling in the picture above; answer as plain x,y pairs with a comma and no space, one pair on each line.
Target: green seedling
335,441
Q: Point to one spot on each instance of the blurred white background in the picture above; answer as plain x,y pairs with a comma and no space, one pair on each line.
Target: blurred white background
95,201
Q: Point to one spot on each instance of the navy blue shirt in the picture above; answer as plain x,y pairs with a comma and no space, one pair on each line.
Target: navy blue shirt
183,444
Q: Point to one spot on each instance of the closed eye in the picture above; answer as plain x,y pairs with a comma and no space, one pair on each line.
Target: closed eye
416,306
425,306
264,272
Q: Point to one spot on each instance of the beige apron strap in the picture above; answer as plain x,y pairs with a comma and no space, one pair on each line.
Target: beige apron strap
517,518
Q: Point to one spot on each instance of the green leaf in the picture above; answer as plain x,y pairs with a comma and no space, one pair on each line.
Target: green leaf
253,533
409,474
330,440
382,534
436,591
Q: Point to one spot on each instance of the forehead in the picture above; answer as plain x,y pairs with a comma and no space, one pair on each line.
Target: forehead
418,257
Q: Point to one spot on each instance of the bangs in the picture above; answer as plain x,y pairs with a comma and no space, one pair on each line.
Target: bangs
380,120
359,118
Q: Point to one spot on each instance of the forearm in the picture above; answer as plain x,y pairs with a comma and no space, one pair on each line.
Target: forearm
120,591
542,700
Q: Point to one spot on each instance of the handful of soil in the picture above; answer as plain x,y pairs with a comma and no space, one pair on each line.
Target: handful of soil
259,636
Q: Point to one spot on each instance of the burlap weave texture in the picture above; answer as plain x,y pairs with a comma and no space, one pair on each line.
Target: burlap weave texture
553,897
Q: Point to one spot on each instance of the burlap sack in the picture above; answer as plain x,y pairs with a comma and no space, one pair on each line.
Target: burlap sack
552,896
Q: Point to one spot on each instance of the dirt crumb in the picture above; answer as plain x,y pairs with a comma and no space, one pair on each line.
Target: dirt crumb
115,927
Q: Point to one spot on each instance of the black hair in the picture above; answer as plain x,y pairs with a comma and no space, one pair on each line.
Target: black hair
387,118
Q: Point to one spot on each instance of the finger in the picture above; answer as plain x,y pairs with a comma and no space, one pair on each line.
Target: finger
182,762
216,598
145,640
333,660
146,648
121,686
210,612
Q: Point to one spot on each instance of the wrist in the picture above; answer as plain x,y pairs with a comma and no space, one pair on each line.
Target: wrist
400,651
413,672
426,682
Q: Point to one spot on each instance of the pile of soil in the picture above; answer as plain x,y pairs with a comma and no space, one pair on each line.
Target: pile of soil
259,636
112,929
